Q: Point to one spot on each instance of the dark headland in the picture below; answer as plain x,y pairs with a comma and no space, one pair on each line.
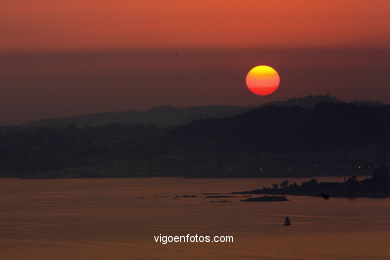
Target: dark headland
377,186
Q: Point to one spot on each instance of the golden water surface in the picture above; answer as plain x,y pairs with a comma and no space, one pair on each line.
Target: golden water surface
117,219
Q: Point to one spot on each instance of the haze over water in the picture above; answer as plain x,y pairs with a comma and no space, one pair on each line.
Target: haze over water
117,219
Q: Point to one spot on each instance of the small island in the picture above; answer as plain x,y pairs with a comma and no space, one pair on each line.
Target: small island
266,199
377,186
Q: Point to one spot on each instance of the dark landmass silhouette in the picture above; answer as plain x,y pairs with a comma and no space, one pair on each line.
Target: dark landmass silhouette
305,102
378,186
219,196
312,139
162,116
266,199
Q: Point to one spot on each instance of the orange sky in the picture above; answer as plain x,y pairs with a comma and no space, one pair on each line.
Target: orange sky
115,55
86,24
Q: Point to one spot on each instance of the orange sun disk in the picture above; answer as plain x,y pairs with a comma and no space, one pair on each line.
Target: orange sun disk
262,80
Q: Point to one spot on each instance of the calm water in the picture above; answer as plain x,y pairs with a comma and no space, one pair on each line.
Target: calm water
117,219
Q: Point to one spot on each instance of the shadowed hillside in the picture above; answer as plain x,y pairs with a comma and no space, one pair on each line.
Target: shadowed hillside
305,102
326,126
163,116
158,116
328,138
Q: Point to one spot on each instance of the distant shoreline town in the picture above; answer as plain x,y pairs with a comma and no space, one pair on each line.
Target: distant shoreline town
303,137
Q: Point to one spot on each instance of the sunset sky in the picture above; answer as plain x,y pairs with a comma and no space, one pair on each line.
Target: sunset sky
62,58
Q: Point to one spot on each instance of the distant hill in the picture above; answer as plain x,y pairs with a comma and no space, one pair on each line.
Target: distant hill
164,116
159,116
296,139
283,128
305,102
327,139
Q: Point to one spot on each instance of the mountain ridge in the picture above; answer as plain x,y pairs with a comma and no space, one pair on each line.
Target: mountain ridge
329,138
168,115
163,116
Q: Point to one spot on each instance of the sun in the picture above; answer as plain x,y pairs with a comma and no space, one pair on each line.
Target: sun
262,80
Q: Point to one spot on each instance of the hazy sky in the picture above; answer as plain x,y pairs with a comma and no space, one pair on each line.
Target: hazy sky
72,57
54,24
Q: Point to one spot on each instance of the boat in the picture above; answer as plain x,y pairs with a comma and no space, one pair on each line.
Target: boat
287,221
